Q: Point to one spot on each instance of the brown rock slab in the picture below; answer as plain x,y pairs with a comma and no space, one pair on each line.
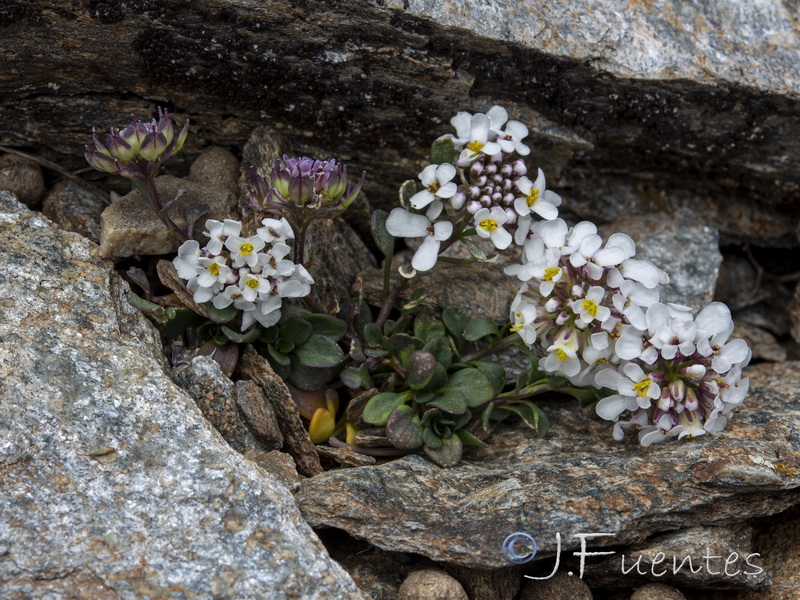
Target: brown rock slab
259,414
657,591
278,464
296,440
216,168
575,480
168,275
761,342
345,457
74,208
130,226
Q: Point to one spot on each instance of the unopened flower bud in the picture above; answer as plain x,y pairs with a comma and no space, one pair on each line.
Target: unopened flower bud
491,169
474,206
677,390
694,372
512,215
508,199
690,401
577,291
563,317
485,200
519,168
554,304
498,179
458,200
476,169
507,170
496,197
481,181
665,401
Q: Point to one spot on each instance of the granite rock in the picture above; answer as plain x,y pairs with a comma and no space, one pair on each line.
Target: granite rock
561,586
278,464
259,414
216,397
431,584
657,591
794,314
113,483
575,480
685,249
74,208
22,178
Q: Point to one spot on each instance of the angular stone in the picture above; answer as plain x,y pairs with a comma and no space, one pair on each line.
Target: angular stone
216,396
74,208
687,250
130,226
337,255
168,275
663,559
761,342
259,414
216,168
113,483
261,152
345,457
576,479
22,178
738,284
296,438
772,313
278,464
778,541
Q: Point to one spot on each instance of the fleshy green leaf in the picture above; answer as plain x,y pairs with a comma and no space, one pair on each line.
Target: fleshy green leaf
183,319
399,342
141,303
475,386
330,327
356,378
309,378
430,438
455,320
383,239
494,372
451,401
426,328
408,189
469,440
380,406
479,328
414,301
448,454
403,429
419,366
424,396
486,415
474,249
269,335
277,357
439,378
373,335
298,330
223,315
531,415
442,151
363,317
240,338
439,346
319,351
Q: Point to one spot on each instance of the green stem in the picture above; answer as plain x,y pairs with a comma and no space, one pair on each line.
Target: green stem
150,192
507,341
387,277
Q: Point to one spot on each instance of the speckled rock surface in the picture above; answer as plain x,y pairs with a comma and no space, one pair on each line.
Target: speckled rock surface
215,395
112,484
431,584
680,102
576,479
686,249
560,587
75,209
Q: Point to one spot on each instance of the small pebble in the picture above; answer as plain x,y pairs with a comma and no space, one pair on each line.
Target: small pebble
23,178
657,591
431,585
562,586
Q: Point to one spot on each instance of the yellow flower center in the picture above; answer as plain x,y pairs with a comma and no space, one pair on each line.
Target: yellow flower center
474,147
590,307
641,388
252,282
551,272
560,355
488,224
246,249
532,197
213,268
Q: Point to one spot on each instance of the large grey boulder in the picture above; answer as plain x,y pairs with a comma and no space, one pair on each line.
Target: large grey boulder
112,484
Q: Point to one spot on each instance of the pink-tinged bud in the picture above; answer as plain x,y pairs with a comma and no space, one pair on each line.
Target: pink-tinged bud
476,169
473,207
491,169
519,168
300,189
554,304
181,137
165,125
496,197
458,200
354,192
665,401
100,161
134,135
507,170
508,199
694,372
99,145
498,179
485,200
481,181
677,389
563,317
657,376
577,291
690,401
119,148
473,192
153,146
512,215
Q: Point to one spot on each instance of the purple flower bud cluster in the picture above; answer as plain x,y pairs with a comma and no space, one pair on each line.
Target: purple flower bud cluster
138,150
492,181
302,189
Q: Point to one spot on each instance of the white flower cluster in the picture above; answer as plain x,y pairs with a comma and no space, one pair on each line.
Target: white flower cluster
250,272
485,188
595,311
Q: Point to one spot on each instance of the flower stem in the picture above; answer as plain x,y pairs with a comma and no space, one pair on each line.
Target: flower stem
150,192
507,341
